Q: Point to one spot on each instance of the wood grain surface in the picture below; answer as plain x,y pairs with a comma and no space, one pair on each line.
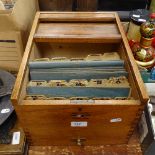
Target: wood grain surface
132,148
58,131
80,16
77,32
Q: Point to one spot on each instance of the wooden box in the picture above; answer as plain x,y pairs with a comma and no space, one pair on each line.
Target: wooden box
18,145
49,122
14,32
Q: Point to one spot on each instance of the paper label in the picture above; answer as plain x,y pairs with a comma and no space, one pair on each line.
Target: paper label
141,20
113,120
79,124
153,123
16,138
82,101
137,16
143,129
4,111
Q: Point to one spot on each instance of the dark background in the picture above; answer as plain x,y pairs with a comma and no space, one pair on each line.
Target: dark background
92,5
123,7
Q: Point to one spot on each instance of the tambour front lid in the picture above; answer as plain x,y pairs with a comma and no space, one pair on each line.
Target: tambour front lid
139,16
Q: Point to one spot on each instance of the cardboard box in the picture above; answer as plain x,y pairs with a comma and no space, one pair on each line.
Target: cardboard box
14,30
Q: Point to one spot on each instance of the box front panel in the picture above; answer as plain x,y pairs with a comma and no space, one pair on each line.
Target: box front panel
66,124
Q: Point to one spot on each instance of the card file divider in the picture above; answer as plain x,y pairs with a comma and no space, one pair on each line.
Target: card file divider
68,70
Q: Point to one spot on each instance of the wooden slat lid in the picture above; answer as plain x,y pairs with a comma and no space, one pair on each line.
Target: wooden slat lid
77,32
78,16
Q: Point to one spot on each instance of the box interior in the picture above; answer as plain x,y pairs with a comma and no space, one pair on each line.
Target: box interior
49,49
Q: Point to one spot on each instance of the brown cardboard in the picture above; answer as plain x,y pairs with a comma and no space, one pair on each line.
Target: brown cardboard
15,25
19,17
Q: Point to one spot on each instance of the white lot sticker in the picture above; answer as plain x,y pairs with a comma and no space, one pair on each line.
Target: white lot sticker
137,16
4,111
141,20
79,124
16,138
116,120
82,101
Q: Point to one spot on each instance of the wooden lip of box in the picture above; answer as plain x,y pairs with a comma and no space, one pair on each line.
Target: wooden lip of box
49,122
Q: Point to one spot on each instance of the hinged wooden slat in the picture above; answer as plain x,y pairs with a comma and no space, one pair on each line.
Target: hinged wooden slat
77,32
79,16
